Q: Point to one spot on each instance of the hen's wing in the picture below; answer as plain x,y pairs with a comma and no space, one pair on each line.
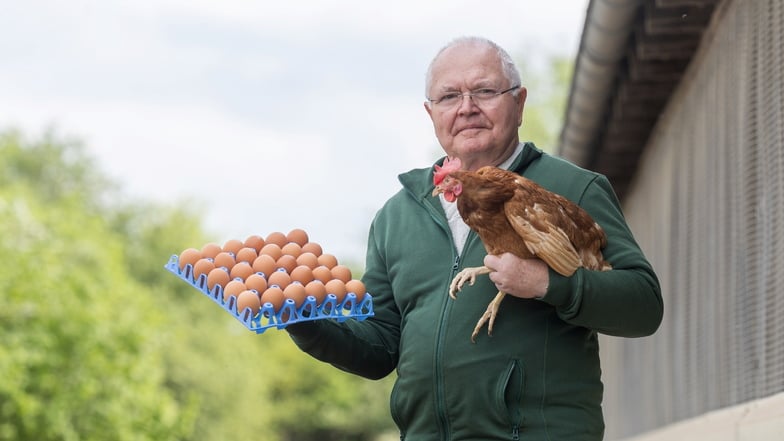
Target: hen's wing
539,227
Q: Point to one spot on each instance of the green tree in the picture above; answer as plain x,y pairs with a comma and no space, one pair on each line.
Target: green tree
548,91
80,359
101,342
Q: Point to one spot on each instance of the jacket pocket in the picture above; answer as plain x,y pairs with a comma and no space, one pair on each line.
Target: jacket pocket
394,408
511,388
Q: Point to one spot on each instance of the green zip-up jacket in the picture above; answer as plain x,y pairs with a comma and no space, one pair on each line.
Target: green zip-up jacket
538,376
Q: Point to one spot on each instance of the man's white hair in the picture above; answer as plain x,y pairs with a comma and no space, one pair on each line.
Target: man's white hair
507,65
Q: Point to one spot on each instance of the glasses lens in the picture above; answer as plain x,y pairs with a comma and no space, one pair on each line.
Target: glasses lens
449,99
484,94
479,96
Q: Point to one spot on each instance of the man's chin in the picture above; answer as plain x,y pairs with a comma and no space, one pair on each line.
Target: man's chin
471,133
472,144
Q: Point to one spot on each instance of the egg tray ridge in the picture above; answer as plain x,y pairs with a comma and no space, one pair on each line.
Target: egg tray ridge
330,308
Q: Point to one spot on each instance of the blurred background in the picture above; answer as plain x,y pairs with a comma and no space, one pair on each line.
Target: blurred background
263,115
130,131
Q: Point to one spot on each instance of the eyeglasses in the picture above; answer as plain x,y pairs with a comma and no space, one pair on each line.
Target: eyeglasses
480,97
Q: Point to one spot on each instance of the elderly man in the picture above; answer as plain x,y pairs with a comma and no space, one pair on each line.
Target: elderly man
538,377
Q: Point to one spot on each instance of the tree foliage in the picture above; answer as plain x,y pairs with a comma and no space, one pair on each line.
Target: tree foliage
548,90
75,363
100,342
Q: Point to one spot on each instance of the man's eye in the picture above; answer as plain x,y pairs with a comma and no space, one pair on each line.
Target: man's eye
449,97
485,93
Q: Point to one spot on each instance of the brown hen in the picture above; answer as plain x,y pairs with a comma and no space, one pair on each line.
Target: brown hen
512,214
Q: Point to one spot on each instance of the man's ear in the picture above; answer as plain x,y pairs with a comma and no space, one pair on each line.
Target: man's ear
428,109
521,103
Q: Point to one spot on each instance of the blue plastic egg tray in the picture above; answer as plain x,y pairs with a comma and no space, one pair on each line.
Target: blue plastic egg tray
267,317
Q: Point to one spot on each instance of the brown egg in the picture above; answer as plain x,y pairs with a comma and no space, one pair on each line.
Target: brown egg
211,250
308,259
225,259
254,241
341,272
202,266
327,260
256,282
317,290
295,292
301,274
274,296
272,250
357,287
247,254
233,246
217,276
280,278
189,256
322,273
264,264
277,238
248,299
241,270
286,262
337,287
312,247
291,249
233,288
298,236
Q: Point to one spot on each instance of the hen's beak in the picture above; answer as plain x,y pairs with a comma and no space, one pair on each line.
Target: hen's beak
438,190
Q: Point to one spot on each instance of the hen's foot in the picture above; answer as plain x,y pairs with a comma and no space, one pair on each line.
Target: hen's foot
467,275
489,315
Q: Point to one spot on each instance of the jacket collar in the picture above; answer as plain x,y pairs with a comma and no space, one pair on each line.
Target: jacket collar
420,181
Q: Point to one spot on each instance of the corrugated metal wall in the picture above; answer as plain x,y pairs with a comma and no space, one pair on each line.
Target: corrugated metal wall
708,209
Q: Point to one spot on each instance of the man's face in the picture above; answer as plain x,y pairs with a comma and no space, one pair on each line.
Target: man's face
477,131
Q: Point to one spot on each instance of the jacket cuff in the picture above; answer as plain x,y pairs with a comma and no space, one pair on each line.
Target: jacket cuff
304,334
559,290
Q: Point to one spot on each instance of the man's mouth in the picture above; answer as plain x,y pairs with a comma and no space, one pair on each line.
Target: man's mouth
471,127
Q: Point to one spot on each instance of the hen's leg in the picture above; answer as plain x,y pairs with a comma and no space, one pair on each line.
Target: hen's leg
490,313
467,275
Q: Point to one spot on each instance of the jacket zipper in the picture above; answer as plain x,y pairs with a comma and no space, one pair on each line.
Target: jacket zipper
440,400
512,408
443,422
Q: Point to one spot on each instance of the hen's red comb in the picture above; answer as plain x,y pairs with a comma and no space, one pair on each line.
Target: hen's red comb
450,165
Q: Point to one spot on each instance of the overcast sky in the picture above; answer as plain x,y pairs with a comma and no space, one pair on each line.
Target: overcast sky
268,115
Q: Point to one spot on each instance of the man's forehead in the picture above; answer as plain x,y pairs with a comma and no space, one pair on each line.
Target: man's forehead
471,82
466,61
476,75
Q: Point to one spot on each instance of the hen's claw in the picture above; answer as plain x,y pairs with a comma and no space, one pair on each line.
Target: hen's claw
467,275
490,313
459,280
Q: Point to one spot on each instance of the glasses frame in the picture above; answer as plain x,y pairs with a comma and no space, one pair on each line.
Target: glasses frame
471,95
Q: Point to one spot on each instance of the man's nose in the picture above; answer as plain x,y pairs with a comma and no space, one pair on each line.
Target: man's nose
467,104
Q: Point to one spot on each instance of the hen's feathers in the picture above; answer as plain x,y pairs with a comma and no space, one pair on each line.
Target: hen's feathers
513,214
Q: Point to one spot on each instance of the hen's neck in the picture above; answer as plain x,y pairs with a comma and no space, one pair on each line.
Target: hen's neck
459,228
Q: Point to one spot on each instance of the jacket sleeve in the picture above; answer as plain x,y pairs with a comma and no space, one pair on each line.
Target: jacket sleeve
625,301
367,348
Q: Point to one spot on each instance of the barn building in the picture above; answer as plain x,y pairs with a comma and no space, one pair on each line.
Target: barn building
680,103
